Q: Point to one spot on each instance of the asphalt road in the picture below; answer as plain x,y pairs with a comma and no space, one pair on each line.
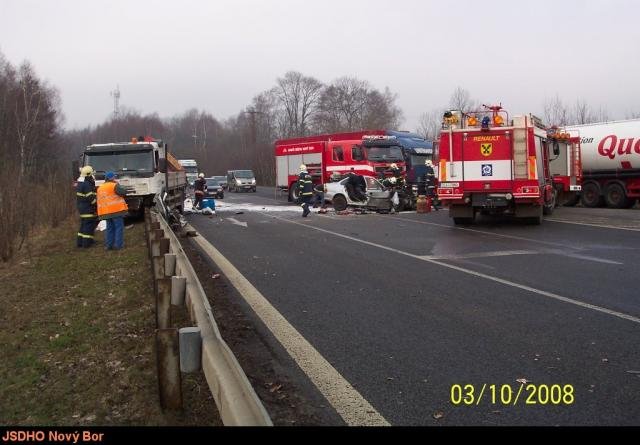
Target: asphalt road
407,306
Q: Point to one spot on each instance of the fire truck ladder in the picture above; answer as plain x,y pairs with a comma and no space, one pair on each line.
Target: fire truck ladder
520,153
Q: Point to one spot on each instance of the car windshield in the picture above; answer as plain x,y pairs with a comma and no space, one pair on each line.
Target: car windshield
220,179
212,182
243,174
191,169
384,153
121,161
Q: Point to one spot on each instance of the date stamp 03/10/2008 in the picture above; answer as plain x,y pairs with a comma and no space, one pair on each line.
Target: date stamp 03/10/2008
506,394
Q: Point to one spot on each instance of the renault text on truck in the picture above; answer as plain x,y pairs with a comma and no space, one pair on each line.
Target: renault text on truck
144,167
610,163
368,153
494,165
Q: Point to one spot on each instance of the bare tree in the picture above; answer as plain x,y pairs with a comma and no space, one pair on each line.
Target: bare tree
350,104
632,115
582,113
461,100
299,96
555,112
430,124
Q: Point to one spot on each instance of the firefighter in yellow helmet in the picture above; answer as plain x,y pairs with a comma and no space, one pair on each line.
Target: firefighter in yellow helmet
305,190
86,203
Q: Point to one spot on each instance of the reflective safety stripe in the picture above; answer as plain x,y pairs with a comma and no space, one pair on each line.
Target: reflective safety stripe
88,215
85,195
307,193
82,235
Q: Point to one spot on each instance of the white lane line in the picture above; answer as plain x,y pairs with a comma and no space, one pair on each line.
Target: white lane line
347,401
236,222
501,235
476,274
480,254
603,226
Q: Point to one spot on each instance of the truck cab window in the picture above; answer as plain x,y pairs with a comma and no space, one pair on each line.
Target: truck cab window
338,154
356,153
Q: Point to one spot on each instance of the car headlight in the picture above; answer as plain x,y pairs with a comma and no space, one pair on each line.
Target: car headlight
253,182
238,182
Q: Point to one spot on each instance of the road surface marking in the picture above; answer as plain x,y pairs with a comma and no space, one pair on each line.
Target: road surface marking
603,226
477,274
347,401
480,254
501,235
236,222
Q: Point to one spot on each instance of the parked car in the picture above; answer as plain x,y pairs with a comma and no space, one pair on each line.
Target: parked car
378,198
214,189
222,180
241,180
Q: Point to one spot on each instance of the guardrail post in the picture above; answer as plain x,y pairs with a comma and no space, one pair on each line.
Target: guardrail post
178,290
169,264
190,349
168,362
163,303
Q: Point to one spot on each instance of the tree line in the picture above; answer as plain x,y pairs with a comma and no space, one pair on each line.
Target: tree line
37,151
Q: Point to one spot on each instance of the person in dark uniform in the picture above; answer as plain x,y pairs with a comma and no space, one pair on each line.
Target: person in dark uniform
356,186
200,186
305,190
429,181
86,202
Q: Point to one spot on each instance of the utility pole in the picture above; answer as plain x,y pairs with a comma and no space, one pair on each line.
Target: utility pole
252,112
116,102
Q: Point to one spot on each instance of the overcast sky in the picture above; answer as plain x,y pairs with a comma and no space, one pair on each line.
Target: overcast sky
169,56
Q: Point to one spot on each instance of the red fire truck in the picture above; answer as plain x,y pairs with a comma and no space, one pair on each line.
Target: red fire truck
335,154
493,165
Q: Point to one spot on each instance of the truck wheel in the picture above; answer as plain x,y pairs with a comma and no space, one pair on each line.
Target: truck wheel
339,203
572,201
457,220
615,197
547,209
293,192
536,220
591,195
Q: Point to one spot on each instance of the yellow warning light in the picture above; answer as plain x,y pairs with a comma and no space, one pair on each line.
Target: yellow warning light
134,140
472,121
498,120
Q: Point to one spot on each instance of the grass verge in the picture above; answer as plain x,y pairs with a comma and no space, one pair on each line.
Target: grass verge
77,337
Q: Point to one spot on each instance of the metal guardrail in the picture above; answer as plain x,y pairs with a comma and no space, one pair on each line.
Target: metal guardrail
234,396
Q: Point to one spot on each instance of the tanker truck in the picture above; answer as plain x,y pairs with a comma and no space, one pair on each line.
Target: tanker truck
610,163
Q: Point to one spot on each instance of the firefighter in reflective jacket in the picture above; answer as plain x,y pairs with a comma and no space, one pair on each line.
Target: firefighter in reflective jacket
112,208
86,202
305,190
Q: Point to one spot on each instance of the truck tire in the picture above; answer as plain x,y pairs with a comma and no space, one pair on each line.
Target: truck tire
591,196
339,203
547,209
457,220
572,201
615,196
536,220
293,192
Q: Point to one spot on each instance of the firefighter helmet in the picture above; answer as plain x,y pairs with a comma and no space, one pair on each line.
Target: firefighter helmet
87,170
428,163
303,168
201,175
394,165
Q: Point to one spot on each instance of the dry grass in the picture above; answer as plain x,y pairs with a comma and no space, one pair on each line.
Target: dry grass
77,335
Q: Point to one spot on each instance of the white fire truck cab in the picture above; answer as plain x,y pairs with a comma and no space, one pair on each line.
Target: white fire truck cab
493,165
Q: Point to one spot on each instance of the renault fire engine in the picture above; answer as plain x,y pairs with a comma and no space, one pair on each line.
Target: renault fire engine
335,154
493,165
